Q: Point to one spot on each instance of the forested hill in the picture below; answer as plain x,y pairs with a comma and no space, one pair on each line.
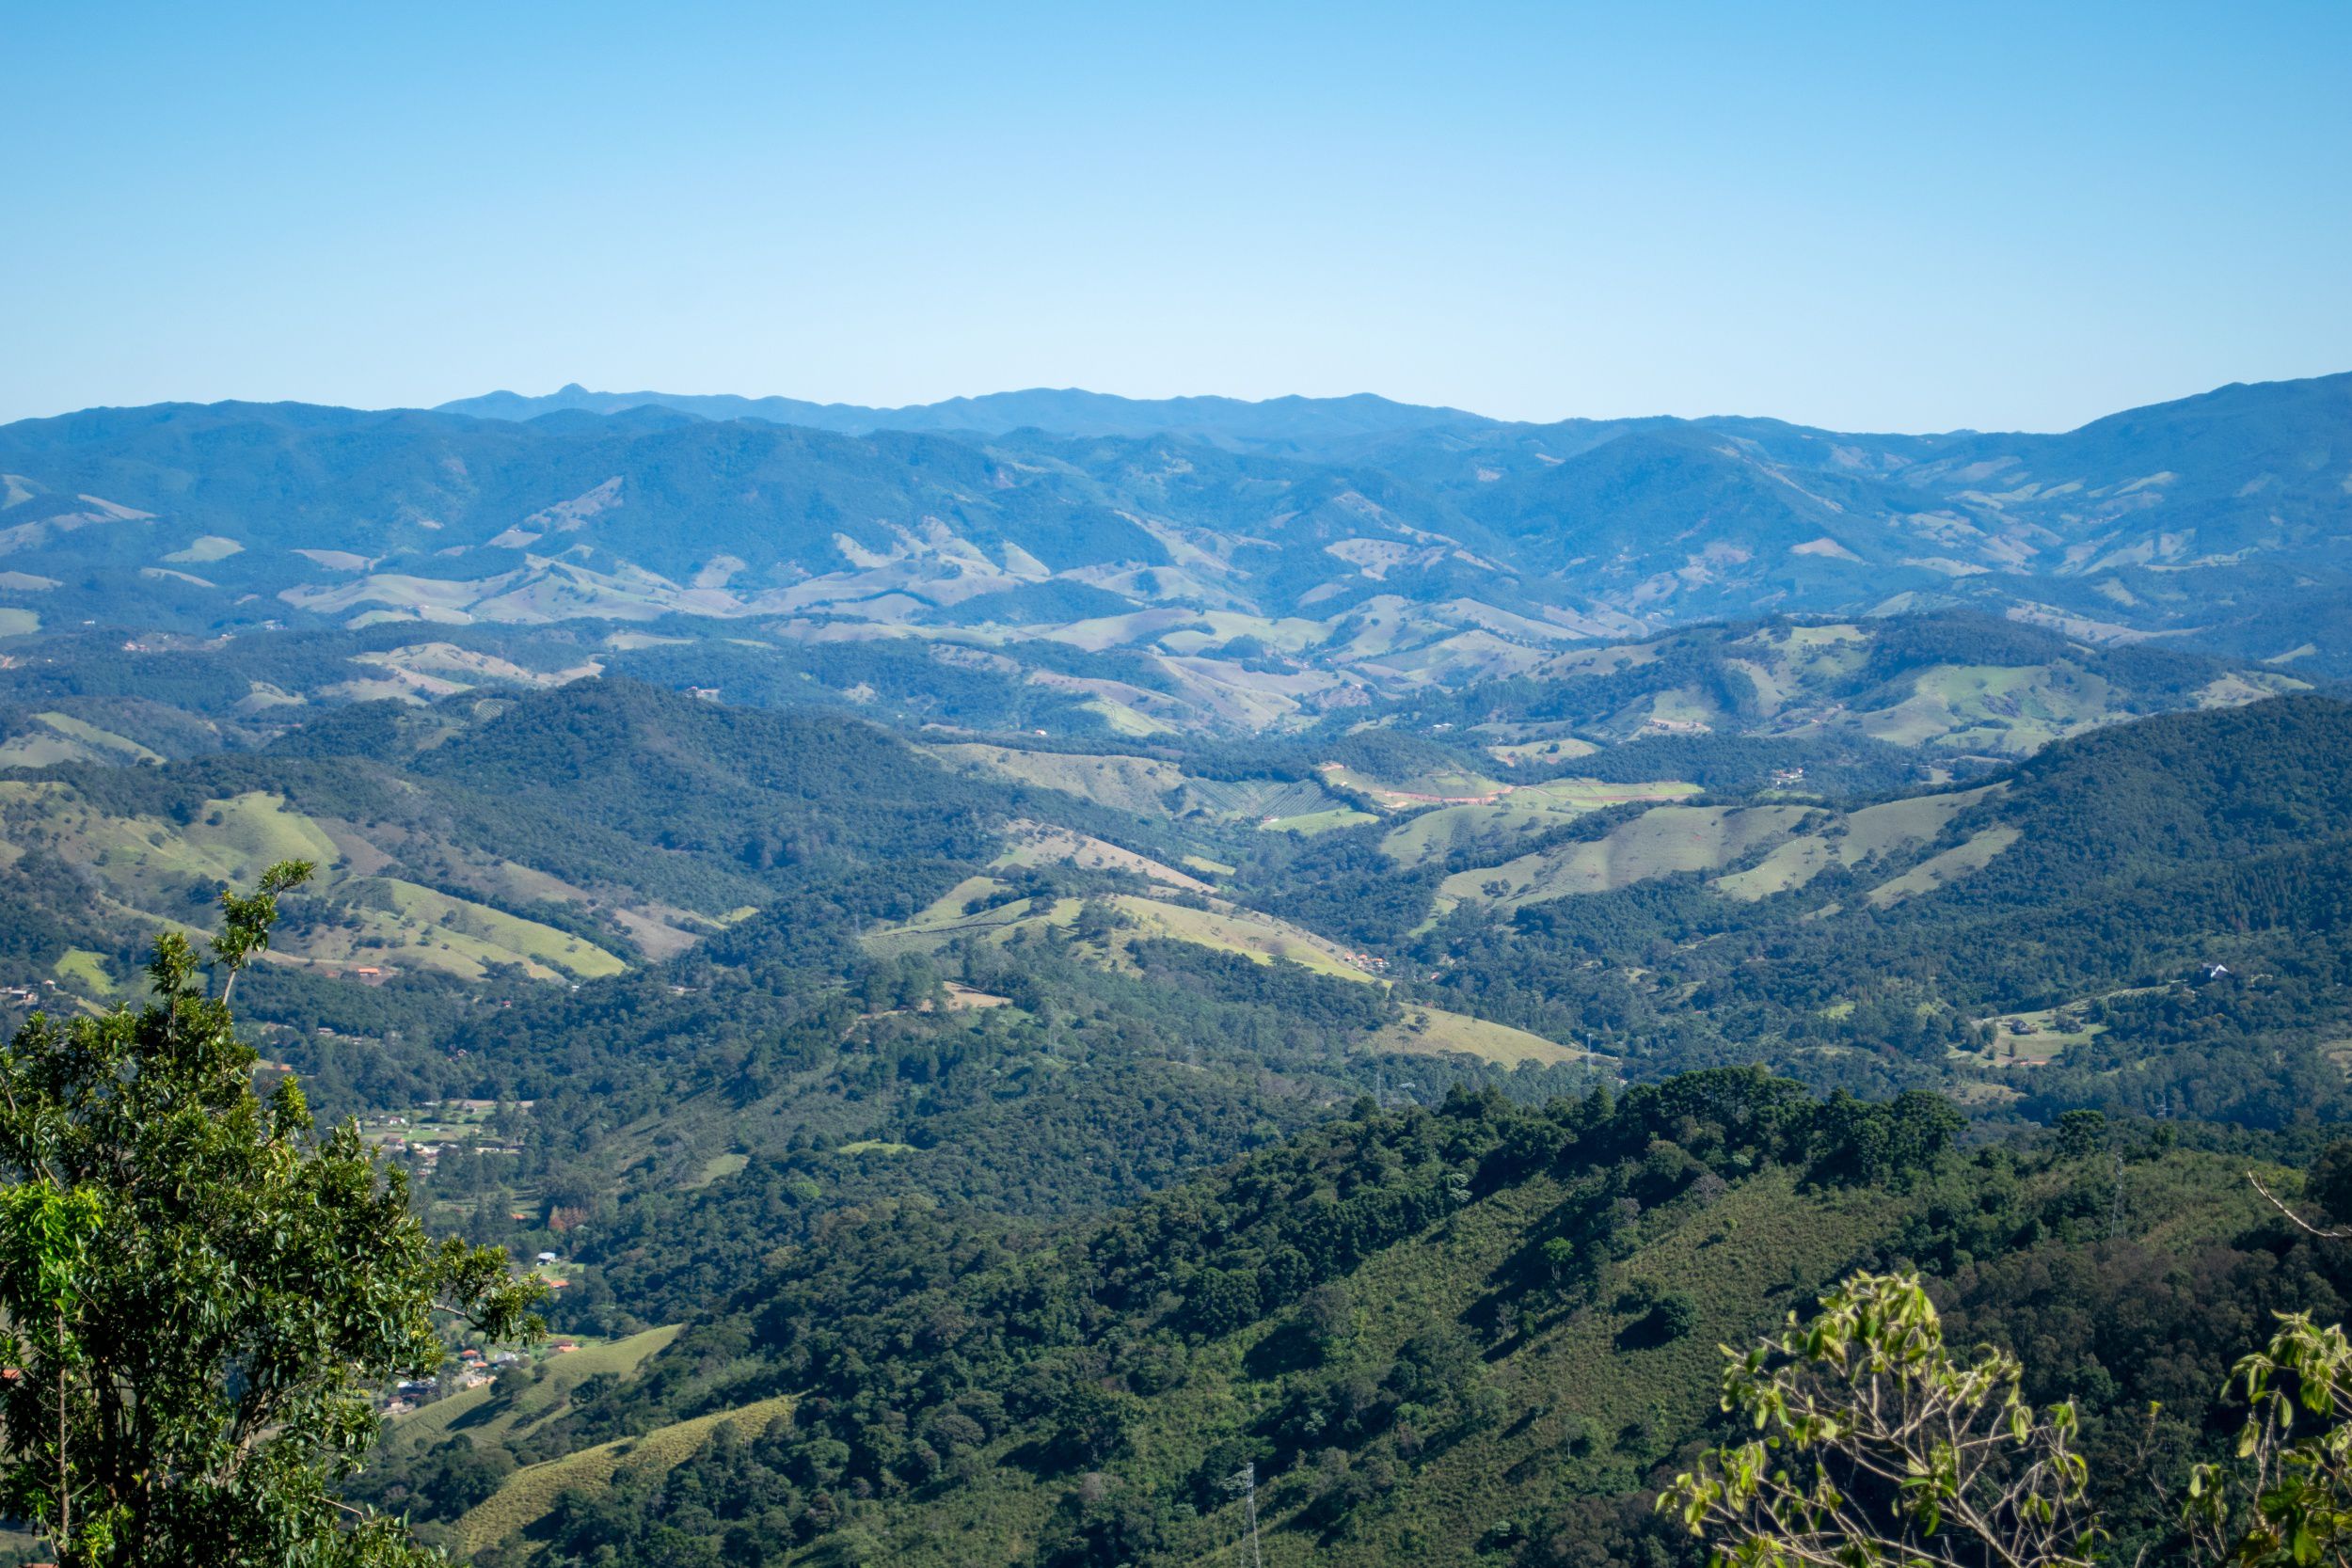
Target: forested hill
1480,1333
670,770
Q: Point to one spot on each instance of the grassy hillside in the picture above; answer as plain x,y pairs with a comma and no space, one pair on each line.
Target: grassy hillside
1130,931
528,1497
1024,973
1947,688
506,1412
1475,829
152,870
1662,841
2173,881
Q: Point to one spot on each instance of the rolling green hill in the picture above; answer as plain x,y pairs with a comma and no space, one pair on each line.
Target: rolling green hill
1482,1334
1026,965
2177,881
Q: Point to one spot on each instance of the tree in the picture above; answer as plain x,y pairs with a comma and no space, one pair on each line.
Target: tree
201,1292
2288,1499
1882,1453
1880,1449
2081,1134
2331,1180
1674,1316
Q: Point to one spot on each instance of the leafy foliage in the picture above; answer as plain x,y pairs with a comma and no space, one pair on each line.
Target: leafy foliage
1880,1448
203,1295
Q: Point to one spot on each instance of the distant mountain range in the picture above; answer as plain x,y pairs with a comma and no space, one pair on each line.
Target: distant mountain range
1404,544
1288,421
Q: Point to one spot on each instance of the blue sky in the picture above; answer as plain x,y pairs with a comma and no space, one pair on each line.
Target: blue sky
1869,216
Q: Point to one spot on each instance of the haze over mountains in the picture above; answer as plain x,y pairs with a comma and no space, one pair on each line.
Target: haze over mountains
1372,545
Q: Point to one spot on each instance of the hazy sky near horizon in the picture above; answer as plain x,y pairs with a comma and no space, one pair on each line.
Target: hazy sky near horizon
1895,217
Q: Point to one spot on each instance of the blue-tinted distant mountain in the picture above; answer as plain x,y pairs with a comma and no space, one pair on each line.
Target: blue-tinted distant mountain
1404,546
1286,422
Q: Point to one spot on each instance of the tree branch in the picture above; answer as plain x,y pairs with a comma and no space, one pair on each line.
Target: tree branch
2340,1233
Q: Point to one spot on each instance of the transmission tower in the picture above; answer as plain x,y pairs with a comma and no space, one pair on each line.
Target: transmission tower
1244,1483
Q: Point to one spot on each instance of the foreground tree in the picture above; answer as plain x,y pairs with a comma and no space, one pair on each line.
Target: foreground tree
202,1294
2287,1499
1879,1449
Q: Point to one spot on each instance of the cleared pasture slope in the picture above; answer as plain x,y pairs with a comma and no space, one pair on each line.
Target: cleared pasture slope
1034,843
1659,842
1432,1031
531,1492
148,866
470,1411
2011,710
1260,938
1530,809
1949,866
1878,829
1138,785
1144,786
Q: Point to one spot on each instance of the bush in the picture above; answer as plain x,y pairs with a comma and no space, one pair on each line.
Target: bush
1674,1316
